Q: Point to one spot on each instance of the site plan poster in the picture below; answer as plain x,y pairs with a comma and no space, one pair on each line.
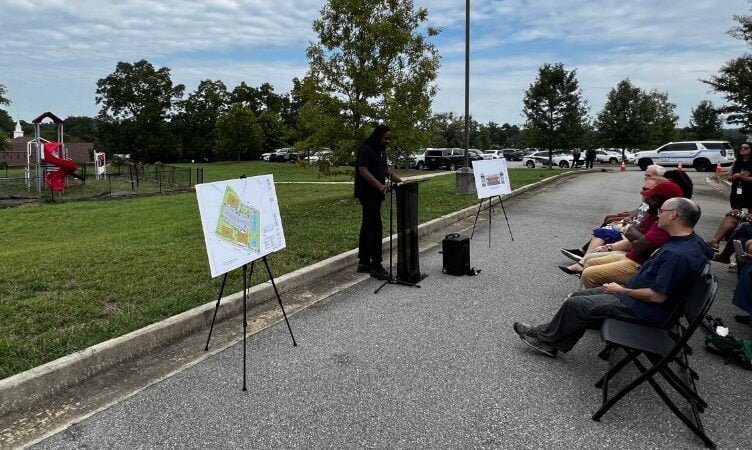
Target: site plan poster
241,221
491,177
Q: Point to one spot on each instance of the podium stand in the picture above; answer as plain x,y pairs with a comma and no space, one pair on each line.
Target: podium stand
408,267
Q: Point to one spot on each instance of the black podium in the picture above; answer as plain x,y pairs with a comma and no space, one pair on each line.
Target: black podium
408,267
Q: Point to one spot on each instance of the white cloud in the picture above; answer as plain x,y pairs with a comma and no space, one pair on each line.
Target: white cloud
53,52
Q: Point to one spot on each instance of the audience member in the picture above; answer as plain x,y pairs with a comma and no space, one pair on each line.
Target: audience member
640,240
743,292
648,297
740,197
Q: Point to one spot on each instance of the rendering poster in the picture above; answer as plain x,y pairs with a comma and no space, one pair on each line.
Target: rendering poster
241,221
491,178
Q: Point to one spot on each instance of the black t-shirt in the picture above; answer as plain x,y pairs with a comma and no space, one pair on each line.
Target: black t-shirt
743,200
375,161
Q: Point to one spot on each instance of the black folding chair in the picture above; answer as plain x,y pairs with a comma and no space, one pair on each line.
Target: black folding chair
665,349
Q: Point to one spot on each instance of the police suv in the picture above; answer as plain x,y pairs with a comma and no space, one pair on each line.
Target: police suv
701,155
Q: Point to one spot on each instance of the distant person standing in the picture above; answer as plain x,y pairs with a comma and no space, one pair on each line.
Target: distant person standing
589,158
371,173
576,157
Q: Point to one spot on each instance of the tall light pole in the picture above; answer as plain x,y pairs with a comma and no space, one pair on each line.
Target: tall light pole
465,182
467,82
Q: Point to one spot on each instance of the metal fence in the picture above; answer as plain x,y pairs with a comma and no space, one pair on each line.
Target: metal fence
120,181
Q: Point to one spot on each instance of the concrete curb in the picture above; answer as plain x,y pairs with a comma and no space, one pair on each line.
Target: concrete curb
21,390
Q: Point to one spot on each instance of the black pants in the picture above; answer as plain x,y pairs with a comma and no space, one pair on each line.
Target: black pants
583,310
371,231
589,163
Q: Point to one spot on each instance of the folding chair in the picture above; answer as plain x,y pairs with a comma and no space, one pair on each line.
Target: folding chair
664,348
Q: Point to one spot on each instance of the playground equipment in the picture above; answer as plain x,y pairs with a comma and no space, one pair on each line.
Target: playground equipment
52,163
56,179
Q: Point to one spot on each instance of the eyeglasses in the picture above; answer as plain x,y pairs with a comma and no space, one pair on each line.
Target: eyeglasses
661,211
745,147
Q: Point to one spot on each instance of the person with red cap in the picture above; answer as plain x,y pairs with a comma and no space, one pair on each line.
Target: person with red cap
638,243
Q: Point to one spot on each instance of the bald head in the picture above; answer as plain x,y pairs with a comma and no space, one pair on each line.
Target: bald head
678,216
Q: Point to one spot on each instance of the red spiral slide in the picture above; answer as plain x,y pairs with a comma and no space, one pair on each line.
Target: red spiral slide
56,179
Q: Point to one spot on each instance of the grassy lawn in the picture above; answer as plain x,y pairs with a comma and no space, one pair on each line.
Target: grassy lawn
76,274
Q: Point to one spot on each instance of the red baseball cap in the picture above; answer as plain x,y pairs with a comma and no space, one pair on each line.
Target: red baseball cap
666,189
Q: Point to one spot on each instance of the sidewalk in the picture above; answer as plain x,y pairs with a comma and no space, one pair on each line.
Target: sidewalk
437,366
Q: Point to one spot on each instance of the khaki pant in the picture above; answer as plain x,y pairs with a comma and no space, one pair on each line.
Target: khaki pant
612,268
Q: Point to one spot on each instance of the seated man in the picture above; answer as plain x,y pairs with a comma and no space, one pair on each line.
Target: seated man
648,297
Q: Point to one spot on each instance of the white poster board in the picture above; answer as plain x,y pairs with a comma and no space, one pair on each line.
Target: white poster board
491,178
100,164
241,221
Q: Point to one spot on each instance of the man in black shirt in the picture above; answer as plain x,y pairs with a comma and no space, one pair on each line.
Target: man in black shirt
370,186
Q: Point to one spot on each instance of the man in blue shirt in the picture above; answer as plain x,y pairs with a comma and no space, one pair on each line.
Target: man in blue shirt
648,297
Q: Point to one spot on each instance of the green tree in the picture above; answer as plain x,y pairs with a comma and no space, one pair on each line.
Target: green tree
624,120
735,80
6,123
239,136
3,92
137,100
370,64
554,109
446,130
662,119
196,124
80,129
705,122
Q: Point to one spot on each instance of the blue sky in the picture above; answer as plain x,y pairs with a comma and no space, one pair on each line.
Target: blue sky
54,51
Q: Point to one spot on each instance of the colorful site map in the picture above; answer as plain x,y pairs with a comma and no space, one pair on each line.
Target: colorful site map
238,223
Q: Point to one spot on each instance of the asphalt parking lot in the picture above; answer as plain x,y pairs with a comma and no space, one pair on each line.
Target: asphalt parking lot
437,366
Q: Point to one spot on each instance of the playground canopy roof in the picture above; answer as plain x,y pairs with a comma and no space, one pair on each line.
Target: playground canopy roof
48,115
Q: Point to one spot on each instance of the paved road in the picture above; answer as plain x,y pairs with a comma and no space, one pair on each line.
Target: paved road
437,366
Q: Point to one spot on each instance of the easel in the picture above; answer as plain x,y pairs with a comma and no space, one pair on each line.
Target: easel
245,299
490,214
392,279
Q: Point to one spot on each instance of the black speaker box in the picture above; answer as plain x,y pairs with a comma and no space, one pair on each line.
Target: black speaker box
456,254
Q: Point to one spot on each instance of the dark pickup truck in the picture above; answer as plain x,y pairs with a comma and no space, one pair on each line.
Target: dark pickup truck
448,158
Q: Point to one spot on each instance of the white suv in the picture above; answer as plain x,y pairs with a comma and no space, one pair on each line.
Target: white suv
702,155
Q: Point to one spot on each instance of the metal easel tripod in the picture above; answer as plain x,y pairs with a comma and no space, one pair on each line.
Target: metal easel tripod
490,213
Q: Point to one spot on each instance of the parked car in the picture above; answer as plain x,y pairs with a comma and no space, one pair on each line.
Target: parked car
418,160
495,154
540,159
284,155
512,154
477,154
607,156
415,160
321,155
449,158
630,157
265,156
701,155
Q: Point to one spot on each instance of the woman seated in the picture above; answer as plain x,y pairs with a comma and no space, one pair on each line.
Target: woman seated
730,223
